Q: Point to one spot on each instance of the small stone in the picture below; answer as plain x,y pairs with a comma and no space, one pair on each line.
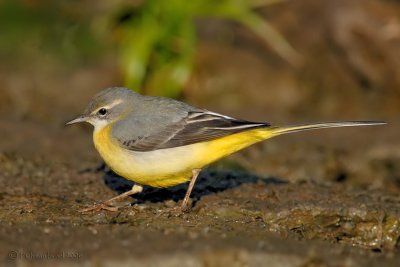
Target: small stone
93,230
170,203
193,235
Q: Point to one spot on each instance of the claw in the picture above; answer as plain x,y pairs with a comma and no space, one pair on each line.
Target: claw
105,204
98,207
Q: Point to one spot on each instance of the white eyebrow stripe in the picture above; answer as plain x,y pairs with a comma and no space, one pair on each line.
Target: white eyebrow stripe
111,105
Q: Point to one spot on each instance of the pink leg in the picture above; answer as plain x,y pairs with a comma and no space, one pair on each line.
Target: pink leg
105,205
185,202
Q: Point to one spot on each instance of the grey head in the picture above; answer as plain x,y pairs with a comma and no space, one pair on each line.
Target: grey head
119,103
108,106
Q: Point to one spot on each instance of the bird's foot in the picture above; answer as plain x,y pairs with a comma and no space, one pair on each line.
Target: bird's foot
98,207
171,212
106,205
176,210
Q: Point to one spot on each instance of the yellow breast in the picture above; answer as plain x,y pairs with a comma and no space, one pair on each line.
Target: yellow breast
171,166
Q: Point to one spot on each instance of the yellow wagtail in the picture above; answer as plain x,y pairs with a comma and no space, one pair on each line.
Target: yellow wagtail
162,142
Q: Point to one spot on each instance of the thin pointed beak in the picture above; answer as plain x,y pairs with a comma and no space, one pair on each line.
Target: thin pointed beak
77,120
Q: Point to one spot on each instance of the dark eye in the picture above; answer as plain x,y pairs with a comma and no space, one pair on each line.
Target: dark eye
102,112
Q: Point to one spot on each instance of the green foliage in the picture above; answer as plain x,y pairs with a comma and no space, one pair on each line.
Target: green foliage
157,47
158,42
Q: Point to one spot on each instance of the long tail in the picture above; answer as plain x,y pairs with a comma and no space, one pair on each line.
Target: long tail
322,125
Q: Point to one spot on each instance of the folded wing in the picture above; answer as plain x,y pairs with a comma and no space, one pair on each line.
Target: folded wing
197,126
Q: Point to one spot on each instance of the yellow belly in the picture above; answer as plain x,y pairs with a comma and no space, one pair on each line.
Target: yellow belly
170,166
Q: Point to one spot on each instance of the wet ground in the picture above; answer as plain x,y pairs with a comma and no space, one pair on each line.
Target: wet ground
324,198
332,218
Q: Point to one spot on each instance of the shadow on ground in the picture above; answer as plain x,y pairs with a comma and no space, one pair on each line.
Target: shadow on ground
209,181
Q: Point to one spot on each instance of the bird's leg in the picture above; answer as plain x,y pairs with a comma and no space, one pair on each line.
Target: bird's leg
106,204
185,202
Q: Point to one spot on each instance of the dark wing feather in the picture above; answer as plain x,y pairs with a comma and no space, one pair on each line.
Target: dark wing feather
197,127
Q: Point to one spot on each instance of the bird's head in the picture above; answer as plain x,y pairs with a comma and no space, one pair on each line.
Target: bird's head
109,106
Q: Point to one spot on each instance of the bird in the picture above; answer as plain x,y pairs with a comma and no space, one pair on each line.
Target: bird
162,142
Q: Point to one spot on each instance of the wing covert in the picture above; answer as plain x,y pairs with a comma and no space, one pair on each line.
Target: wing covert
197,126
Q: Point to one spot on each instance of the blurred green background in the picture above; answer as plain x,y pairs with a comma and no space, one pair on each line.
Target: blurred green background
284,59
155,40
